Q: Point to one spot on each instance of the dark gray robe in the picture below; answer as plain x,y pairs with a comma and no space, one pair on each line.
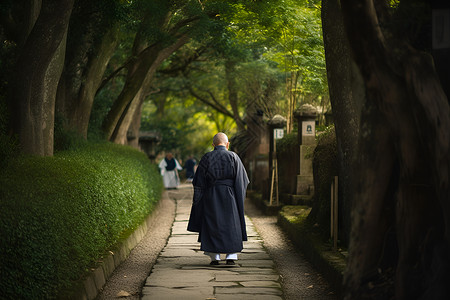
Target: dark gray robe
217,213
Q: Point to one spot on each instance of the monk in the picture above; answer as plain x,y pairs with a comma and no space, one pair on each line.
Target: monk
169,167
217,212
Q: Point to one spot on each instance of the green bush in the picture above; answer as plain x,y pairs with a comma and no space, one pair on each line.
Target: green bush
325,166
8,145
66,139
288,163
59,214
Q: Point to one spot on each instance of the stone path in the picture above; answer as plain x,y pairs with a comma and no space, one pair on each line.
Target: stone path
182,271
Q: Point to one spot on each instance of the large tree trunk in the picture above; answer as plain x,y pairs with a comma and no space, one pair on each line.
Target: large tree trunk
402,201
80,82
119,135
36,78
135,78
347,95
135,126
441,55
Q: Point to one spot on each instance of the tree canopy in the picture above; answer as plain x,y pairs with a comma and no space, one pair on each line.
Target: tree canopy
227,57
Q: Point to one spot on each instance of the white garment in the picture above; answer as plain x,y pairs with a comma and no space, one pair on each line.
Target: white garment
216,256
170,178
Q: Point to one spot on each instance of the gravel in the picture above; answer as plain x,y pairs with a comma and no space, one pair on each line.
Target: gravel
299,279
131,274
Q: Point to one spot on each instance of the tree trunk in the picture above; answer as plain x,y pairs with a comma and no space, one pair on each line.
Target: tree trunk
135,126
441,55
79,84
120,135
135,78
120,132
37,74
402,201
347,96
232,93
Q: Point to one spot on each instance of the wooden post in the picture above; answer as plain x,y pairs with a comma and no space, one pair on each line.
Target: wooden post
334,212
275,166
274,183
276,125
276,178
271,184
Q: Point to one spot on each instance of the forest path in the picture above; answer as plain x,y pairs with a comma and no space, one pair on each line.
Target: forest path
268,267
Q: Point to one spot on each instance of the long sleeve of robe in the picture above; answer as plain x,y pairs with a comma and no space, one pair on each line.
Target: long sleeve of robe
217,213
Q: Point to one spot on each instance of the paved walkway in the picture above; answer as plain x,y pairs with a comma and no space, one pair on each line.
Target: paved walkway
182,271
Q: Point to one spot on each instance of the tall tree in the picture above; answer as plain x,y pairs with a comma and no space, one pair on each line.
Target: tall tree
400,241
165,27
37,73
296,46
347,96
92,40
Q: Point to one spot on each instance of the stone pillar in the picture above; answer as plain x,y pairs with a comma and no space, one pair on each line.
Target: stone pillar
306,117
275,124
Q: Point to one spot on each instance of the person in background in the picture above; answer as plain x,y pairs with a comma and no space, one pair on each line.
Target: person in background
169,167
189,166
217,213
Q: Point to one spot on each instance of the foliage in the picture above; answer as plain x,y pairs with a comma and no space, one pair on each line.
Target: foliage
299,48
8,145
59,214
288,163
184,131
260,85
102,104
296,45
325,167
233,30
287,142
257,52
66,139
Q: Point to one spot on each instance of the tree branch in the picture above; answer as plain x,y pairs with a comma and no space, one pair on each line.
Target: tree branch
217,106
127,63
185,64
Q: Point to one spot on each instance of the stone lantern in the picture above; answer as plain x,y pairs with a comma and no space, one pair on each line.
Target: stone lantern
306,117
147,142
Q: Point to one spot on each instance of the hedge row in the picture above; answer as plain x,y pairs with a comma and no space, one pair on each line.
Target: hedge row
59,214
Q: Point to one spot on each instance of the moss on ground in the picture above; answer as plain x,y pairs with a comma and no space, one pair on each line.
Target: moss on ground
309,240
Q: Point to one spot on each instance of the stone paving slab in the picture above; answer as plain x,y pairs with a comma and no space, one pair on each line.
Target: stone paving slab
162,293
182,271
248,290
246,277
246,297
182,239
261,284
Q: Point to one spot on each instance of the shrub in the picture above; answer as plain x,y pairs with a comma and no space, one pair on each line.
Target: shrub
66,139
288,163
325,166
59,214
8,145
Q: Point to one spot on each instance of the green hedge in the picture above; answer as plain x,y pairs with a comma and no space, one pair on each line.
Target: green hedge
325,167
288,163
59,214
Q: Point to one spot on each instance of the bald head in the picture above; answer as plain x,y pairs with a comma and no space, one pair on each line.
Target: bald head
220,139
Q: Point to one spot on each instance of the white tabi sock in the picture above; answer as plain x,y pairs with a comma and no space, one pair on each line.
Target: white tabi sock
214,256
232,256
